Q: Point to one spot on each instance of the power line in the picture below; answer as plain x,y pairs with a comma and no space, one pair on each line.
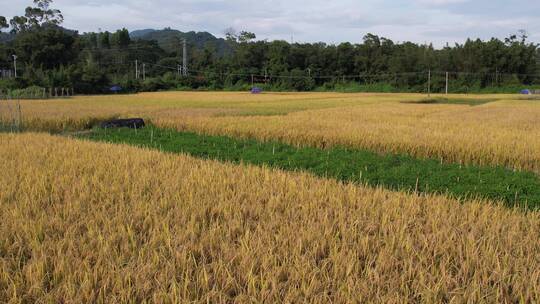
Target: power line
426,73
138,47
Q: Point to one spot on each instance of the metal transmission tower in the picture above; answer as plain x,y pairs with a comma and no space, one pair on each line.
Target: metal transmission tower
15,64
184,59
144,71
429,83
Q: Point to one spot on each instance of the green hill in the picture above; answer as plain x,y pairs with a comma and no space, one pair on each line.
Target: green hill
171,40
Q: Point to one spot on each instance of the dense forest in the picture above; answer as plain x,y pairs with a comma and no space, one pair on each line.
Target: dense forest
48,56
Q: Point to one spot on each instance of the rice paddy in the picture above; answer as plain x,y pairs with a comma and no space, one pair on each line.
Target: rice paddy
247,210
93,222
502,132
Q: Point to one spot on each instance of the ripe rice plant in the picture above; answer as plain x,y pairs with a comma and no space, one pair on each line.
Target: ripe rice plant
503,132
87,222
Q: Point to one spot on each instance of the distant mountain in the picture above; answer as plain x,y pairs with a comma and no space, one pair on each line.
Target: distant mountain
139,34
171,40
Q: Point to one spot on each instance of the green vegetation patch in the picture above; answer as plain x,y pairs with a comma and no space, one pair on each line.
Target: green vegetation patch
393,171
456,101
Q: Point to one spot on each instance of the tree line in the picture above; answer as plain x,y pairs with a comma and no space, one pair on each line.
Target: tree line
49,55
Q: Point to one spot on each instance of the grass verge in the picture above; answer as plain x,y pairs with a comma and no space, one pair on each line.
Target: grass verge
393,171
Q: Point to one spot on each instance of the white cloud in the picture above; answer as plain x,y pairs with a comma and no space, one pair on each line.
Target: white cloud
421,21
440,2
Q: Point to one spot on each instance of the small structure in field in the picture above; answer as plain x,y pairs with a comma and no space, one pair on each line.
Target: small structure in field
133,123
116,89
256,90
530,92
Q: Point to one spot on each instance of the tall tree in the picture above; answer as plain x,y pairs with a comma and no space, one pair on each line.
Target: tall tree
121,38
34,17
3,23
18,24
105,40
246,37
43,14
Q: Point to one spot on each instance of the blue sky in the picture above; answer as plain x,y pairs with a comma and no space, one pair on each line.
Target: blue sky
437,21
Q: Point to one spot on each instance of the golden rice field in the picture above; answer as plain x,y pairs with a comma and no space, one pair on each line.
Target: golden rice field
85,222
505,132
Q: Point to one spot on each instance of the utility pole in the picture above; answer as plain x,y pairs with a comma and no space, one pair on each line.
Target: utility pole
429,83
15,64
136,69
99,39
184,58
144,71
446,83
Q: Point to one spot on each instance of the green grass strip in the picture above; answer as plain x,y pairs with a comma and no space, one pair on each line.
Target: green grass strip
392,171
